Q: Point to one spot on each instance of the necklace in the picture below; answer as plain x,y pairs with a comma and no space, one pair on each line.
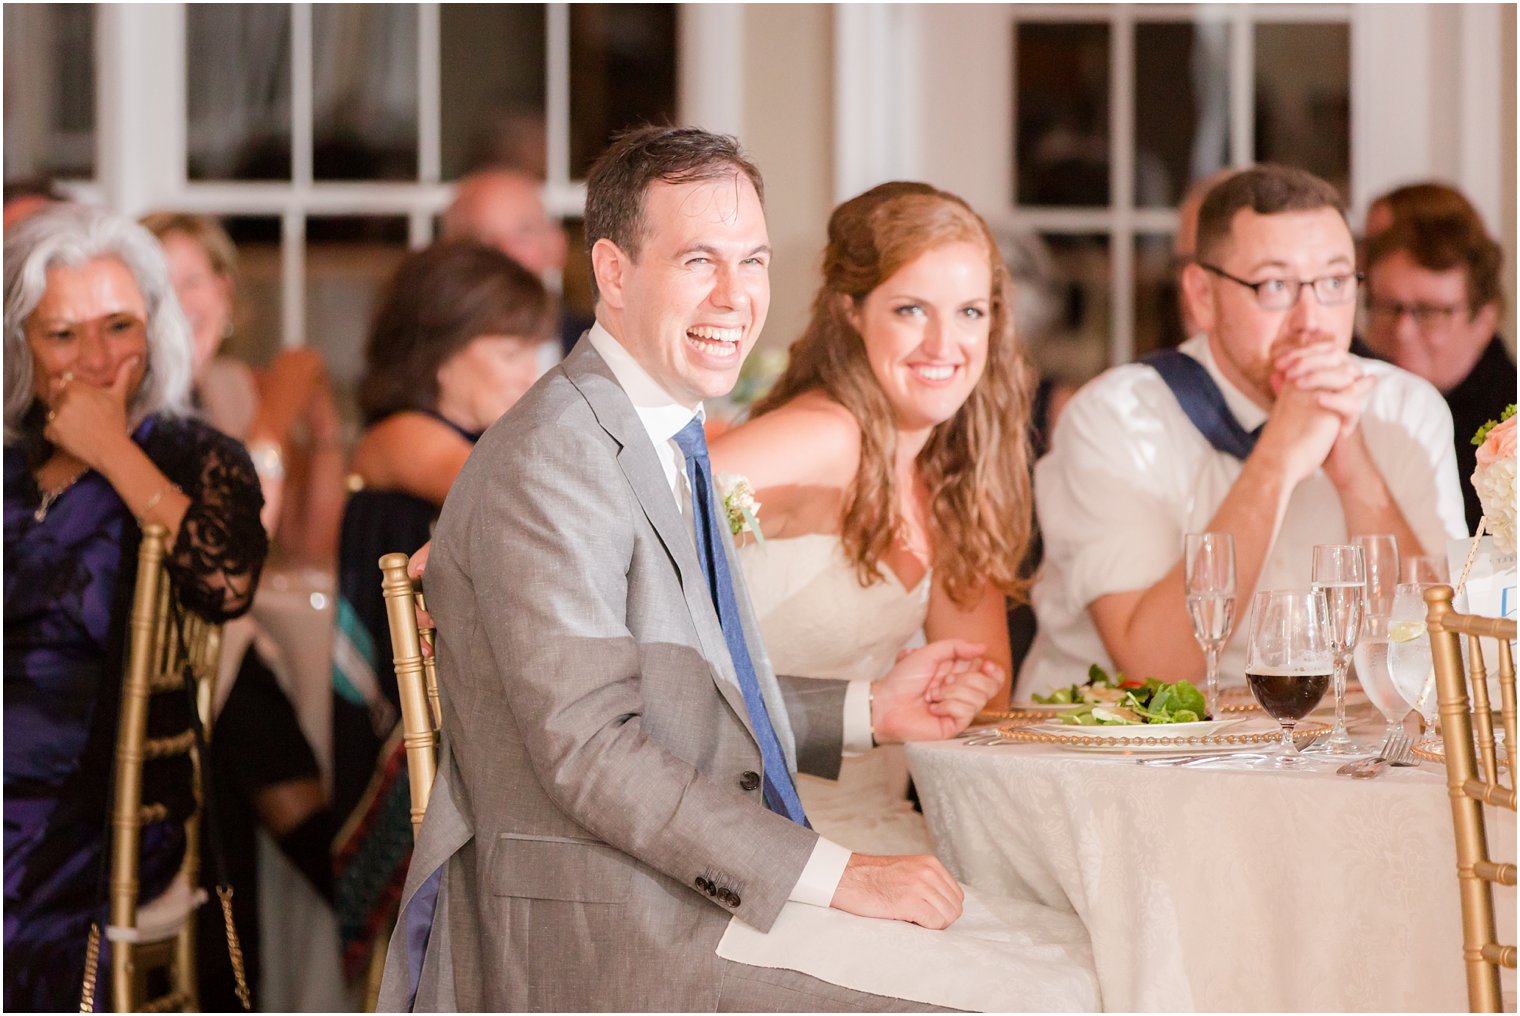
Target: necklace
50,497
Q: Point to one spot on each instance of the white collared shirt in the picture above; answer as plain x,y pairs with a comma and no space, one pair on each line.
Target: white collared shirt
663,417
1128,475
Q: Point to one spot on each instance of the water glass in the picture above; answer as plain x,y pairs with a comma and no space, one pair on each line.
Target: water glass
1380,553
1209,577
1340,572
1409,662
1373,670
1289,661
1426,570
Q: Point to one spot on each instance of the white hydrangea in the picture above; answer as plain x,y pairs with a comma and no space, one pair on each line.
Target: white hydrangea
1495,484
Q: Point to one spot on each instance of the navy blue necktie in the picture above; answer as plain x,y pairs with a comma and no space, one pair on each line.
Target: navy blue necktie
779,791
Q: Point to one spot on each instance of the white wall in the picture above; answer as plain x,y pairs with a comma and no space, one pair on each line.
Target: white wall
788,124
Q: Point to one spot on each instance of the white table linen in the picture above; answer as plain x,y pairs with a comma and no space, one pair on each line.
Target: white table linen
1003,955
1209,889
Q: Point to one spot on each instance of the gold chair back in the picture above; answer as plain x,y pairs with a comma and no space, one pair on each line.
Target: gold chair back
416,679
158,935
1475,776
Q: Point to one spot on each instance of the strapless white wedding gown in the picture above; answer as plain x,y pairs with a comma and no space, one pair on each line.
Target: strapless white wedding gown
818,621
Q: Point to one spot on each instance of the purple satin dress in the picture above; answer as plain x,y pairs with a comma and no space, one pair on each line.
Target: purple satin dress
68,588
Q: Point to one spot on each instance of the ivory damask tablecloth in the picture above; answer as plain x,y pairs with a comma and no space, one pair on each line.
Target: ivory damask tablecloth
1206,889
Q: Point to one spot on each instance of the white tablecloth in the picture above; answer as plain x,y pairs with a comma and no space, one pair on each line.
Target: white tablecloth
1001,955
1206,889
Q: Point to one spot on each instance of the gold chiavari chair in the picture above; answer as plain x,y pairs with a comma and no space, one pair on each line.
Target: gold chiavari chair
421,714
153,944
416,679
1475,777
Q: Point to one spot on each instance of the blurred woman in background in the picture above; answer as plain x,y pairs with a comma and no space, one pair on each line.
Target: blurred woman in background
288,420
454,345
97,444
890,462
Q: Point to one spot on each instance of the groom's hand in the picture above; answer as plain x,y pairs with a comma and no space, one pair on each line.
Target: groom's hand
415,566
914,888
933,692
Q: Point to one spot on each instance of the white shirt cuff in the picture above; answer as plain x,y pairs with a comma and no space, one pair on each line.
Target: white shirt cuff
821,875
857,717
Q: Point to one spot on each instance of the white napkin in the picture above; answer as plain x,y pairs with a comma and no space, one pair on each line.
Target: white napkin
1002,956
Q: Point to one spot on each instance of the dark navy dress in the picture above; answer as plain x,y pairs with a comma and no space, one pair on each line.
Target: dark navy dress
68,590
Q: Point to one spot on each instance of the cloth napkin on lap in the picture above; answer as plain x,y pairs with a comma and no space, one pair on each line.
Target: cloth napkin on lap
1002,955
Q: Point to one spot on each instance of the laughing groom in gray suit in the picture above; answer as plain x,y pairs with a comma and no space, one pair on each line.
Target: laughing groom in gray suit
615,782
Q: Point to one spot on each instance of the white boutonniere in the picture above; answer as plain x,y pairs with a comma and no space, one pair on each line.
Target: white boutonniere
739,505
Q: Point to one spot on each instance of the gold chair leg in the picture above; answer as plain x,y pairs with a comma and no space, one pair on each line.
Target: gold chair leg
186,976
375,973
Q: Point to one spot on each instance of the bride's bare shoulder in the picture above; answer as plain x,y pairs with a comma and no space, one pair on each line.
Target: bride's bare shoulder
811,439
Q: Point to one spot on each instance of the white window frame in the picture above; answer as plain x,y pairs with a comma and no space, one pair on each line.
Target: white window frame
889,58
141,134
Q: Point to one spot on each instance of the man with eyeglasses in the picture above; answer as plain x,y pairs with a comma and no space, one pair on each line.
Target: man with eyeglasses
1433,304
1263,426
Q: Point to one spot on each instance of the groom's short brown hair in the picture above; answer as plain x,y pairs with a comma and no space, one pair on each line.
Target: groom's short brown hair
638,157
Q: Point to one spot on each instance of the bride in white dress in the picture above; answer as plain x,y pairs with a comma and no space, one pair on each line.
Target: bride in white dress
891,468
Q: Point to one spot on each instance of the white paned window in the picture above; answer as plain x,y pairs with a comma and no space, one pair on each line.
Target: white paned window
1116,110
326,135
1076,128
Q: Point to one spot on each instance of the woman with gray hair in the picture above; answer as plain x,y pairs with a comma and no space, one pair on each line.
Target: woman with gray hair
97,369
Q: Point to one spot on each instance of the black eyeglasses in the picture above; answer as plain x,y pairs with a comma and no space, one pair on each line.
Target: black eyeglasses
1426,316
1280,294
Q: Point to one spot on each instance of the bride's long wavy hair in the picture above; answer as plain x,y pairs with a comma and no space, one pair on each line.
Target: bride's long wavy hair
976,464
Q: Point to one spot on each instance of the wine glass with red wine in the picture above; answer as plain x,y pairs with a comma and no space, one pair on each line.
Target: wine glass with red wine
1289,661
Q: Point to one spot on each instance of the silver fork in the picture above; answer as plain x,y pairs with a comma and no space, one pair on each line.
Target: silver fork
1398,751
1351,767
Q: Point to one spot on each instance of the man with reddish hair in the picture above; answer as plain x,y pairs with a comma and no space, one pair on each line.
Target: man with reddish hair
1433,307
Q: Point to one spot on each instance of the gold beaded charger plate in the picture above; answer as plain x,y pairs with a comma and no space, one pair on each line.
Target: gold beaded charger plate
1237,700
1162,739
1433,748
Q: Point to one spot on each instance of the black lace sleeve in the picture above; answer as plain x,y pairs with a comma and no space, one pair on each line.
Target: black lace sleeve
217,557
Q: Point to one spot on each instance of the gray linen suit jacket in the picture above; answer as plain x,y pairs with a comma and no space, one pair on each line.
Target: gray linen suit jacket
596,816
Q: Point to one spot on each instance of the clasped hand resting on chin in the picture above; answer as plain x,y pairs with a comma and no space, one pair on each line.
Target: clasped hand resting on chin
1316,419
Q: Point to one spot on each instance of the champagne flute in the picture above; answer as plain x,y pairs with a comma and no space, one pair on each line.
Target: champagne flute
1340,573
1209,577
1289,661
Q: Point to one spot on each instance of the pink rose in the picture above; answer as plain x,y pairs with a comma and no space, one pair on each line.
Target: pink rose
1500,444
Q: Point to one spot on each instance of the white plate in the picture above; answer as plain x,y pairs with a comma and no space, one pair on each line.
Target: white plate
1127,735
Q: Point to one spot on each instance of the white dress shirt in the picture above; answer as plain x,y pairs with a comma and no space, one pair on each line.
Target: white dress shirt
663,417
1128,475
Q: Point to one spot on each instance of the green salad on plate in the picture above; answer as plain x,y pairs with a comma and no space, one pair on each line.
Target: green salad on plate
1122,701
